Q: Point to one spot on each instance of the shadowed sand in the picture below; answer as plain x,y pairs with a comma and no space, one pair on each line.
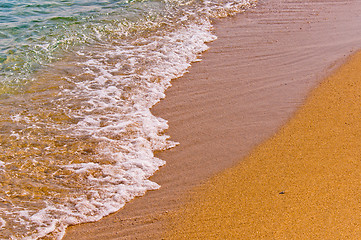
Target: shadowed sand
251,80
303,183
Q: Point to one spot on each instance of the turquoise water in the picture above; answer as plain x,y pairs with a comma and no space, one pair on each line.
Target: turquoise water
78,79
36,33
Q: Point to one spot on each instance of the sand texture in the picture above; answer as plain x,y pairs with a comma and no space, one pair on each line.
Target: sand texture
249,83
303,183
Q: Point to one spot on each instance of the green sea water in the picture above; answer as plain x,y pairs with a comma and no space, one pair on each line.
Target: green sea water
77,81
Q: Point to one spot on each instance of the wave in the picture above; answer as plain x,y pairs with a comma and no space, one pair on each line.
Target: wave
77,139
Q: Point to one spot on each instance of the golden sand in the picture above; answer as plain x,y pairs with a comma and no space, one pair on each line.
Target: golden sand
303,183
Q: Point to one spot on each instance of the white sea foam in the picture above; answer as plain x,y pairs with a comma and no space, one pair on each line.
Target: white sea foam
108,105
133,155
2,223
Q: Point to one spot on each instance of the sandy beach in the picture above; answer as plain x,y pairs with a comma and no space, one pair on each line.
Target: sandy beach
303,183
249,84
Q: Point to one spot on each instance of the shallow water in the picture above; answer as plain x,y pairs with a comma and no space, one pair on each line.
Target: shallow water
77,81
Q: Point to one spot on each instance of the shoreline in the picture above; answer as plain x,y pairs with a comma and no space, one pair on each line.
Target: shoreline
227,104
303,183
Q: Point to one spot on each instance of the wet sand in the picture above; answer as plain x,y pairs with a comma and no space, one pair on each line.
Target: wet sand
250,82
303,183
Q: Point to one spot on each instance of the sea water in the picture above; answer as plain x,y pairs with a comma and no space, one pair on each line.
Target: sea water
77,81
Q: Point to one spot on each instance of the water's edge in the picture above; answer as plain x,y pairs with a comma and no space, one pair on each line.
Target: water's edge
77,142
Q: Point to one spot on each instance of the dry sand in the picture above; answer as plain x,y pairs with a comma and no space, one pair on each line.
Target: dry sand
251,80
303,183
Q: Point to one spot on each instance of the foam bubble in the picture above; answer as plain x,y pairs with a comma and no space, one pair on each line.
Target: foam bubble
85,151
2,223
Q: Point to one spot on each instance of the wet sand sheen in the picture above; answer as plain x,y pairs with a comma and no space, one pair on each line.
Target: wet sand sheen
303,183
247,86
